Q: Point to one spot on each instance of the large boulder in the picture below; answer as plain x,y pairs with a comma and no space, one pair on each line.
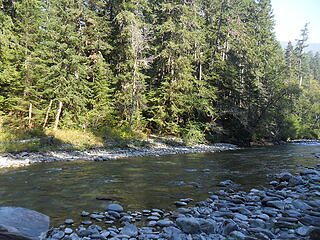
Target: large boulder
22,224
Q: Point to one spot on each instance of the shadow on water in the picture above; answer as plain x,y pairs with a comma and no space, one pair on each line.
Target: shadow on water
64,189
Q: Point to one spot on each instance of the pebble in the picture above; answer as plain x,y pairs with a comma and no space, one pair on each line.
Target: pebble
68,230
87,222
180,204
152,218
68,221
85,214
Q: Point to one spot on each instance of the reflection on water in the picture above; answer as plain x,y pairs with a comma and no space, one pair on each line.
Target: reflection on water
63,189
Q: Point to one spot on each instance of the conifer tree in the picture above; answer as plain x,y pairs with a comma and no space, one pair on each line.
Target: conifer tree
130,59
10,52
178,82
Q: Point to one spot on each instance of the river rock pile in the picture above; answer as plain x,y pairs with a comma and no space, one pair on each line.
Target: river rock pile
289,209
99,155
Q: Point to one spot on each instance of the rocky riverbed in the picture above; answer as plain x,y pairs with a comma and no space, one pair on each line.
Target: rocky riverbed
27,158
288,209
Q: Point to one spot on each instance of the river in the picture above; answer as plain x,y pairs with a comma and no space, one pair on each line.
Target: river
64,189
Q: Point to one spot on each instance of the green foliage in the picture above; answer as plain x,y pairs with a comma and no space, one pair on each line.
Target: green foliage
176,67
193,133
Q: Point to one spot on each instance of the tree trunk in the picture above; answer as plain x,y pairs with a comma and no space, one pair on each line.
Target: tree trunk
200,71
58,116
300,72
30,115
47,114
133,94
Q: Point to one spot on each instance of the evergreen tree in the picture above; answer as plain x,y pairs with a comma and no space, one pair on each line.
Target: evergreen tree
10,51
180,67
130,59
179,91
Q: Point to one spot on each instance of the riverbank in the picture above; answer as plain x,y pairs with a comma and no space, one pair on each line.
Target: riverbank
156,148
288,209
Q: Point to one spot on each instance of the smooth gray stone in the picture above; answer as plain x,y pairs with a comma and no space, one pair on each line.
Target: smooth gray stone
303,231
88,222
283,224
114,207
24,154
96,216
286,235
84,214
292,213
225,183
309,171
188,225
288,219
164,223
257,223
86,232
238,235
230,227
97,236
261,236
179,203
121,236
152,223
105,233
183,210
298,204
129,230
152,218
241,210
263,216
156,214
173,233
310,220
73,236
126,219
187,200
28,223
314,203
58,235
276,204
241,216
263,231
296,180
68,230
95,228
68,221
114,214
209,226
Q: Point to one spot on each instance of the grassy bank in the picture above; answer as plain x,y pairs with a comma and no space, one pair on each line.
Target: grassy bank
45,140
15,140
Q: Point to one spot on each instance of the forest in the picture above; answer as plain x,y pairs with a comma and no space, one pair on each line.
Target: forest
202,70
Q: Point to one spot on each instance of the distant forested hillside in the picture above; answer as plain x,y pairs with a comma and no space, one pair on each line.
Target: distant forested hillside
203,69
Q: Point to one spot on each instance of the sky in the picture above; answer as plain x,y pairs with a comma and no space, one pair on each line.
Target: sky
291,16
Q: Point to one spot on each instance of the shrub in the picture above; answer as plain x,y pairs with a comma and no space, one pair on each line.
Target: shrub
193,134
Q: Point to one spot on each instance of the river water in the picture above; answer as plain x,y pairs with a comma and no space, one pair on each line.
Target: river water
64,189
